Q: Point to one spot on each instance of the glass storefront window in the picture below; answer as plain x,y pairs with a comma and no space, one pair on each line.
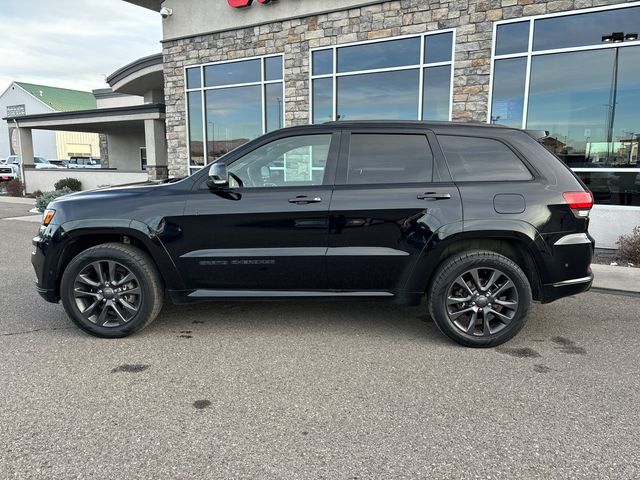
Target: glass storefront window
196,143
507,100
569,97
386,95
385,54
437,48
584,28
384,79
240,100
232,73
322,100
436,89
512,38
193,77
322,62
583,90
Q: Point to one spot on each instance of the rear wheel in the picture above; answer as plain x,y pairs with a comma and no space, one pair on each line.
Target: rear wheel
479,298
111,290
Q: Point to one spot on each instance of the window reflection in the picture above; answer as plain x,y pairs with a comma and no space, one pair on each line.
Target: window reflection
613,187
570,97
322,100
512,38
233,116
274,105
385,54
626,121
388,95
196,144
583,29
235,112
436,93
362,91
507,100
232,73
193,77
437,48
322,62
272,68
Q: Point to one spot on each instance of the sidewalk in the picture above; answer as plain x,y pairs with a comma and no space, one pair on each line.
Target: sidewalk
608,277
19,200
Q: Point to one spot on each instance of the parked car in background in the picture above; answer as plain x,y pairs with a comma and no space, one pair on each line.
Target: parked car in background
480,219
84,162
10,169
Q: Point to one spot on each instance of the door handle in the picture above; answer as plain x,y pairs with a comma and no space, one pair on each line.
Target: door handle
303,199
433,196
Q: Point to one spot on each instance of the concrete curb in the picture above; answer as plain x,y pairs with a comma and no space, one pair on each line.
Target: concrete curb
19,200
620,279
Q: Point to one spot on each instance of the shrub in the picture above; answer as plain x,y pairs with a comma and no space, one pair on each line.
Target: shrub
629,247
43,200
14,187
72,184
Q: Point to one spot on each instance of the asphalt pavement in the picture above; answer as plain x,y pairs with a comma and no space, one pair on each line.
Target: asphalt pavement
317,390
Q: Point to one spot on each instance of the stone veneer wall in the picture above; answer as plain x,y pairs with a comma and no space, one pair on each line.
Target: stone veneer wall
473,19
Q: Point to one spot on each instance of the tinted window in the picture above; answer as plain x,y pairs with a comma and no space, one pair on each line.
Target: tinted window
292,161
436,93
273,68
322,62
584,29
512,38
232,73
481,159
437,48
387,54
322,100
508,91
385,95
193,77
375,158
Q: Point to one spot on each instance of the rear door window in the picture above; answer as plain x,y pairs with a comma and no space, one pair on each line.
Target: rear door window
473,159
389,158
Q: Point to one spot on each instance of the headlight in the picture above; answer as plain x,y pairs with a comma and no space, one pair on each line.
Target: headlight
47,216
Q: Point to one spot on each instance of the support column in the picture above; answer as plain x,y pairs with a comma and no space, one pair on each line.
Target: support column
155,142
25,144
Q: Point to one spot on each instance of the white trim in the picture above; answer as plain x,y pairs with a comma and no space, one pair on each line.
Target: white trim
202,90
605,169
527,78
421,65
604,206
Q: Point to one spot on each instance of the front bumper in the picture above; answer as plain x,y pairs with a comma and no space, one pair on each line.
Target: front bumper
45,268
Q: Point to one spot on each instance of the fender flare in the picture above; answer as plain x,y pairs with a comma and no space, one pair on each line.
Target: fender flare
75,229
447,236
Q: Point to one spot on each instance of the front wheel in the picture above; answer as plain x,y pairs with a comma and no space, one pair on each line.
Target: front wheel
111,290
479,298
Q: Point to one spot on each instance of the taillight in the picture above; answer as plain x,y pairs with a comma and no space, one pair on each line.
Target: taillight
579,202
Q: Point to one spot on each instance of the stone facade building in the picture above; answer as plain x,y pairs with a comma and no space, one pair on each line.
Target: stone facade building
505,57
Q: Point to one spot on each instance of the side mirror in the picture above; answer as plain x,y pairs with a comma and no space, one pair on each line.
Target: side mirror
218,175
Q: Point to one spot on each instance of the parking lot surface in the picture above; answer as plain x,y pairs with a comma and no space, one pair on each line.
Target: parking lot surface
331,390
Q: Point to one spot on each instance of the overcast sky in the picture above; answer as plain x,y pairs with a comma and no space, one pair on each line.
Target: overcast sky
73,43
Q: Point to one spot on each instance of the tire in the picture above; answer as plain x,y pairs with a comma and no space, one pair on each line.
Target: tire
498,318
118,279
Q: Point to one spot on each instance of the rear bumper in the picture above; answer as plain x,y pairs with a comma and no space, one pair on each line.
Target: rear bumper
566,288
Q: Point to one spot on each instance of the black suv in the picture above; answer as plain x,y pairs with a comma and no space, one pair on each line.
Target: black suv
481,219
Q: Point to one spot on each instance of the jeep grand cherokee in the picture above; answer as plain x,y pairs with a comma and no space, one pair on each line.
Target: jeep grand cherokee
479,219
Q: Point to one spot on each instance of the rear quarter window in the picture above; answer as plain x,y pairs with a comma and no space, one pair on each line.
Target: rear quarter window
474,159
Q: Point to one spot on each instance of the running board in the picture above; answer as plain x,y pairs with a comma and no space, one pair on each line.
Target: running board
204,293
